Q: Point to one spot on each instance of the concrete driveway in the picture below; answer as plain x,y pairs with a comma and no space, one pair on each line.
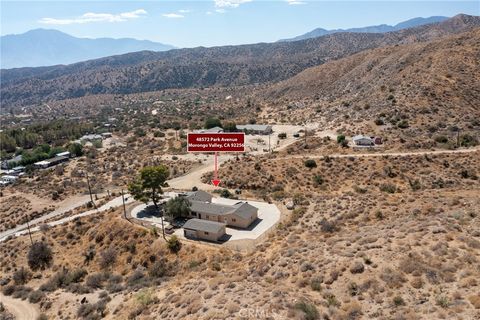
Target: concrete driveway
268,216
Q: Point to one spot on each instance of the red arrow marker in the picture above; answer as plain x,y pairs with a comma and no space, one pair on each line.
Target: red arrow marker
215,180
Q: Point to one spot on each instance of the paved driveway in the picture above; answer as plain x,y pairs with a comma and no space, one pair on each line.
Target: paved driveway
268,215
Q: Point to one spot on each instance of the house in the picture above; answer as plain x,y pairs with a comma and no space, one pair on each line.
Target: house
361,140
11,162
9,179
203,229
91,137
240,215
63,154
211,130
255,129
50,162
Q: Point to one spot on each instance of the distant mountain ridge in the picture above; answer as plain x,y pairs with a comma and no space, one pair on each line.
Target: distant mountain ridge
259,63
382,28
47,47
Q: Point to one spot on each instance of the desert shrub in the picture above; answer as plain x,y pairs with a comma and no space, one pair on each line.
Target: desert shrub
95,280
282,135
388,188
310,163
442,301
36,296
341,138
137,279
309,310
441,139
379,122
8,290
174,244
39,256
357,267
21,276
108,258
158,269
42,316
146,297
327,226
403,124
316,284
414,184
225,193
467,140
398,301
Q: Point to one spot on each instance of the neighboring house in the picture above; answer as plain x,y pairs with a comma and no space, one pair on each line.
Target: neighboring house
6,164
203,229
63,154
211,130
363,141
255,129
50,162
239,215
9,179
91,137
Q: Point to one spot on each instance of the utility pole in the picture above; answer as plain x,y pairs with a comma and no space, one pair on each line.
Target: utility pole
163,227
29,233
269,135
124,209
90,190
305,133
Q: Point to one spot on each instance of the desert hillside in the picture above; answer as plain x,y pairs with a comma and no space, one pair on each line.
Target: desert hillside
202,67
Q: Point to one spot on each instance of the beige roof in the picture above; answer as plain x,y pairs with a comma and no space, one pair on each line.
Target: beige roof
204,225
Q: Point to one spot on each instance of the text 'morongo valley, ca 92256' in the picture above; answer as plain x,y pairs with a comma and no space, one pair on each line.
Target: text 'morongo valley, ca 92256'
216,142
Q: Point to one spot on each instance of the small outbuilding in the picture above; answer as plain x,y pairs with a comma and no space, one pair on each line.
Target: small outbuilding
361,140
204,229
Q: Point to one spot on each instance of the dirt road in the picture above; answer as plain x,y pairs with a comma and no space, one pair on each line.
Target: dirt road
381,154
19,308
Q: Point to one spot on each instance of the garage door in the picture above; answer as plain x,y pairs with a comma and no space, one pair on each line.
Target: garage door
189,233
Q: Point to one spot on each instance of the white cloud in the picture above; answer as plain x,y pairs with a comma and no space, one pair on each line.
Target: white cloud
295,2
96,17
184,11
173,15
229,3
220,10
209,12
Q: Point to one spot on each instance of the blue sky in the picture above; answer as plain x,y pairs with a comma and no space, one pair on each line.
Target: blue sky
214,22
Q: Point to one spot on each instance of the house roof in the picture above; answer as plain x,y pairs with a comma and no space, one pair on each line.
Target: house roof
244,210
254,127
241,209
199,195
204,225
210,208
359,137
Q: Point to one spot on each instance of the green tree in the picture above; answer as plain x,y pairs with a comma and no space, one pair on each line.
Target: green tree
212,122
177,207
148,186
76,149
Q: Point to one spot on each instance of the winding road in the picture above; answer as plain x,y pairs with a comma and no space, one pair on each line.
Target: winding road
21,310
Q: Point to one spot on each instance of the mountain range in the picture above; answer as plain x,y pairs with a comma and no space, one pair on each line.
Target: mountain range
382,28
45,47
263,63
